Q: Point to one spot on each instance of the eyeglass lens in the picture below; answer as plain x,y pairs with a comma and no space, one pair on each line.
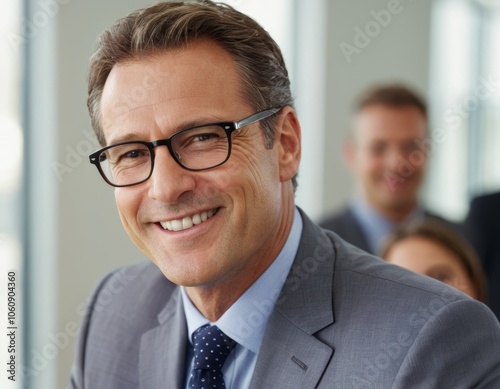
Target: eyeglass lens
195,148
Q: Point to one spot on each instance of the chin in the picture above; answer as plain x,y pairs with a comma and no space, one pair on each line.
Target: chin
177,277
182,272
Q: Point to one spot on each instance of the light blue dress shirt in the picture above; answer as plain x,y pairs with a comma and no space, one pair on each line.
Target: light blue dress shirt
246,320
374,225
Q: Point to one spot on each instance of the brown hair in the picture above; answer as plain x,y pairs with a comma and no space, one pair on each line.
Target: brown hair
392,95
170,25
443,235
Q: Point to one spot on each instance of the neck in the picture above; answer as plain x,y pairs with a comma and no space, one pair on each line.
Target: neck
213,300
397,214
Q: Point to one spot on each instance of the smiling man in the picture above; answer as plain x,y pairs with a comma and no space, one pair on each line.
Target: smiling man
387,152
248,200
243,290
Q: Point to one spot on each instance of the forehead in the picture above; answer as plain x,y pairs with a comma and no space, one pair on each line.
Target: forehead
379,121
182,81
424,252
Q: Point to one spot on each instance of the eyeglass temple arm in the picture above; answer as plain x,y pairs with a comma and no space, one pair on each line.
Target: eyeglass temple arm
255,118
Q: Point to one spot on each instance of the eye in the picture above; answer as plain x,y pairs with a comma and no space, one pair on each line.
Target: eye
444,275
206,137
409,147
135,154
197,139
378,148
126,154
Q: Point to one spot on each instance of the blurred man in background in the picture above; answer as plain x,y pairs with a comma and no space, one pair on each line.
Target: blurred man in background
387,152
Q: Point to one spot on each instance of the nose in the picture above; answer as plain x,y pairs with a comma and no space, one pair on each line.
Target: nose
169,181
393,159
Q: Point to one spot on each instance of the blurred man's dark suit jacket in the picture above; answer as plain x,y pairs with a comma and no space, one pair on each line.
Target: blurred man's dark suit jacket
346,225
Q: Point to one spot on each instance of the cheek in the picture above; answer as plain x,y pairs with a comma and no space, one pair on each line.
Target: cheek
220,182
470,289
127,203
258,170
370,164
419,171
463,282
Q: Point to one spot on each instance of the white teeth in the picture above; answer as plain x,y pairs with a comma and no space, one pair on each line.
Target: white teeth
196,219
188,221
176,225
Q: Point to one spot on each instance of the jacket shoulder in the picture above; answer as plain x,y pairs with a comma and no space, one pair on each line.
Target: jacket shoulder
130,290
405,329
125,305
487,206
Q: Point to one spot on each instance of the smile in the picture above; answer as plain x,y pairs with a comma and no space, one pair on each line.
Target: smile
188,221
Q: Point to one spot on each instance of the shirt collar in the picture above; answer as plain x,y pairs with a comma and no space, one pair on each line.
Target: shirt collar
245,321
376,226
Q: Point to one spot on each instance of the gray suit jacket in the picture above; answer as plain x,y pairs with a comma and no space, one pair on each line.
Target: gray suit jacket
345,319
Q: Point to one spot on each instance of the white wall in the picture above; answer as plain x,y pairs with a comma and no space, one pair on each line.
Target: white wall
89,239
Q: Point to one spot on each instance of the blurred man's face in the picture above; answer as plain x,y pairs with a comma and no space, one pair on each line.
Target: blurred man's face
387,158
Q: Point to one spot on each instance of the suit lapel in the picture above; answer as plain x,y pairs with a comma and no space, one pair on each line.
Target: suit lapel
290,355
163,348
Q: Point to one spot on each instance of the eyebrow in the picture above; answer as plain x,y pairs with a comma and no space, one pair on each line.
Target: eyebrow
124,138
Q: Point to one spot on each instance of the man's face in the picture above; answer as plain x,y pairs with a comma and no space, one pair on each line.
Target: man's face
246,201
386,158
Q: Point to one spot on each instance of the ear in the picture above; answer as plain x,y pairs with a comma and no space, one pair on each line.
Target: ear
288,143
348,152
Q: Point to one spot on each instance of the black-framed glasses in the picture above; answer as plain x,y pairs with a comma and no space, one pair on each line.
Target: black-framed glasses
196,148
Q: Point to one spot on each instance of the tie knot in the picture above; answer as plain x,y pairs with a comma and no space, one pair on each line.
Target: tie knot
211,347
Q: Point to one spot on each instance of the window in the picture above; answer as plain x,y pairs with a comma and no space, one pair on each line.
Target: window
465,100
11,180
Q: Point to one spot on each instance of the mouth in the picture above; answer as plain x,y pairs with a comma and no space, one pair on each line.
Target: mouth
188,221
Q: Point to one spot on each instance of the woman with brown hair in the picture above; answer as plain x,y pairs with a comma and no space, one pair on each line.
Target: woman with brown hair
433,249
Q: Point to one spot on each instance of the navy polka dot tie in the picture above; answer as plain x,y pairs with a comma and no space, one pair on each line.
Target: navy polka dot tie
211,348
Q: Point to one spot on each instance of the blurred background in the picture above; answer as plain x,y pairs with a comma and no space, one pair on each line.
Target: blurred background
59,230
